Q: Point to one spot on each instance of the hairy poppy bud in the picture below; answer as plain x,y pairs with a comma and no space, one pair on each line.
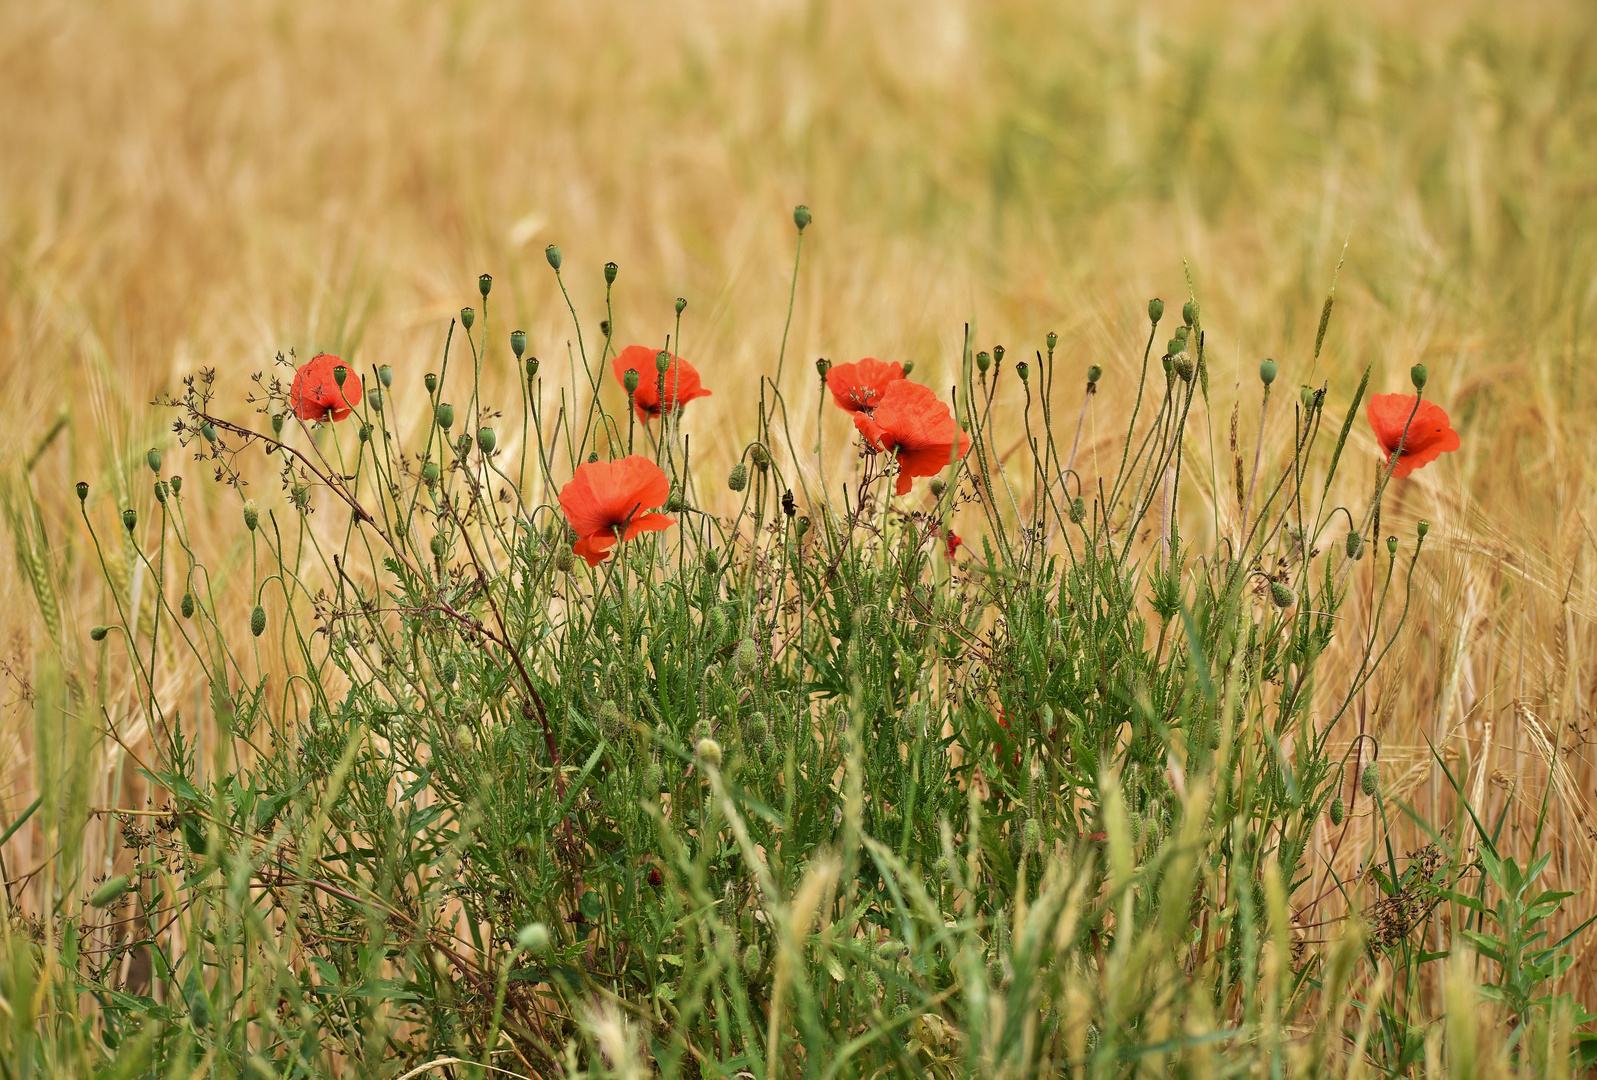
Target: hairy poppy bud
1155,310
738,478
822,366
1189,313
177,485
759,727
1094,373
484,283
1282,594
208,430
760,456
552,253
709,752
789,507
609,715
1354,544
486,440
681,304
801,217
662,361
1183,366
1031,834
252,514
385,375
83,490
1267,372
1078,510
518,342
909,366
130,519
941,866
1022,369
675,501
533,938
187,606
430,381
340,373
937,487
593,455
1391,546
1338,811
630,380
445,415
1422,528
751,960
109,893
467,317
803,525
983,362
160,492
1052,339
747,657
258,621
532,368
448,673
437,546
430,471
153,460
374,399
97,633
565,560
1418,376
1370,782
710,561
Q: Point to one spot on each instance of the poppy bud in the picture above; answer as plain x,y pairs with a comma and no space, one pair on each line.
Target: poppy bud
160,492
1370,782
430,471
374,399
1282,594
983,362
252,515
710,561
751,960
258,621
630,380
208,430
759,727
437,546
747,656
1267,372
110,892
662,361
1031,834
604,328
340,373
761,457
1354,543
177,485
430,381
593,455
653,780
1183,366
385,375
1189,313
822,366
1174,346
533,938
908,366
1022,370
130,519
941,866
277,423
937,487
803,525
484,283
467,317
449,672
532,368
738,478
97,633
187,606
788,506
681,304
153,460
801,217
463,737
552,253
518,342
674,502
1078,510
709,752
1155,310
1338,811
1052,339
1422,528
565,560
1418,376
445,415
83,490
1094,374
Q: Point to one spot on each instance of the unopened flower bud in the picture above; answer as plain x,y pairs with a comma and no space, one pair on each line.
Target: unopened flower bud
630,380
801,217
552,253
681,304
1282,594
208,430
751,960
1267,372
983,362
445,415
1094,374
709,752
430,381
153,460
1022,369
759,727
565,559
1052,339
747,656
467,317
1078,510
258,621
760,456
532,368
1031,834
437,546
674,501
1189,313
662,361
83,490
738,478
1370,782
1155,310
937,487
130,519
1338,811
385,375
533,938
187,606
1174,346
1354,544
340,373
1418,376
252,515
1183,366
97,633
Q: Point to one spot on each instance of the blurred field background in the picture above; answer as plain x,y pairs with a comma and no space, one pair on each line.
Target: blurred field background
190,184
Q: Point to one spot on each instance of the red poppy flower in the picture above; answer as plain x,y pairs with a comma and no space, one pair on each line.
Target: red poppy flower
859,387
1430,433
909,418
681,381
607,501
316,394
954,542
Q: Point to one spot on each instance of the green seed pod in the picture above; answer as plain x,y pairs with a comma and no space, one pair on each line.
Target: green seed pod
160,492
430,381
437,546
565,560
1422,529
1267,372
252,514
1418,376
998,355
630,380
486,440
751,960
533,938
681,304
1155,310
340,373
484,283
1338,811
258,621
177,485
1094,376
1282,594
110,892
365,433
518,342
83,490
97,633
822,366
1370,781
277,423
153,460
908,366
1189,313
187,605
445,415
374,399
208,430
430,472
747,657
532,368
662,361
130,519
801,217
1078,510
983,362
1354,544
385,375
802,525
738,478
552,253
1022,369
1053,340
1391,546
709,752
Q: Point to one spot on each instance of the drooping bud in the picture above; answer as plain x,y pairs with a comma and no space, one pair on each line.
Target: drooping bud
1022,369
97,633
486,439
385,375
110,892
1053,341
1078,510
208,430
760,456
1282,594
662,361
1370,782
258,621
1354,544
552,253
533,938
1189,313
630,380
518,342
1268,371
448,672
153,460
681,304
467,317
252,515
1155,310
1183,366
340,373
738,478
374,399
751,960
445,415
177,485
983,362
484,283
187,606
801,217
430,381
1338,811
130,519
759,727
83,490
1418,376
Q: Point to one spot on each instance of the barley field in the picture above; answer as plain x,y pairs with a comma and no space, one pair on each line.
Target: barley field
188,186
